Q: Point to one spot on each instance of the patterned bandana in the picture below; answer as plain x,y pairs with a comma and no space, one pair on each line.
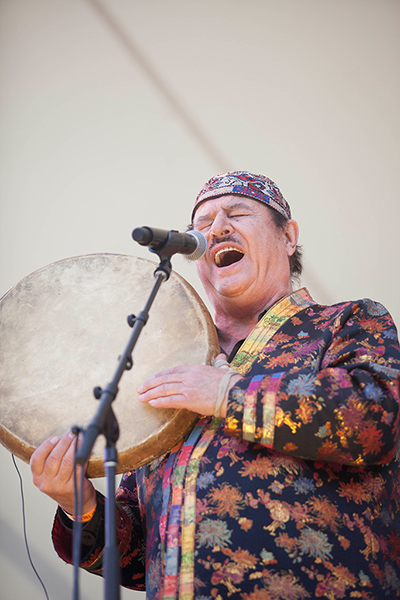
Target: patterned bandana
244,183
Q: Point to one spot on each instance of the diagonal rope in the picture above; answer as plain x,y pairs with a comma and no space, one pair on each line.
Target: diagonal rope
162,88
203,141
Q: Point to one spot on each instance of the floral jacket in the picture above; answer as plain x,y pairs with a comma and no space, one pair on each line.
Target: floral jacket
296,494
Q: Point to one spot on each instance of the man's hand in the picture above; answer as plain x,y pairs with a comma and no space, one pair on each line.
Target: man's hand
52,472
192,387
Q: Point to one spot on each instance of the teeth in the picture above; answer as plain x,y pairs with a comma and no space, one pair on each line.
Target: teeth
219,254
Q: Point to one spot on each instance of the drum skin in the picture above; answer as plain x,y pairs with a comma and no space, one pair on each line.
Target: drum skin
62,330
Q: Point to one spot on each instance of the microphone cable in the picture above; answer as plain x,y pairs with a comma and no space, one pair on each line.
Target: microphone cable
77,524
24,527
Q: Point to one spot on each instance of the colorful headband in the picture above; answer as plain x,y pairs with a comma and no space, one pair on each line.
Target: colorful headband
244,183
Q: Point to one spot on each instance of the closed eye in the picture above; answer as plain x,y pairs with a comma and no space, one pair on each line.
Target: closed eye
202,226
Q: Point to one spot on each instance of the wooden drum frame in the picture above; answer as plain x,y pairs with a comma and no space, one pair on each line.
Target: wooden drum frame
62,329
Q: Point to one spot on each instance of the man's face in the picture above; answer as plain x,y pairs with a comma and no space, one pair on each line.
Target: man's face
247,260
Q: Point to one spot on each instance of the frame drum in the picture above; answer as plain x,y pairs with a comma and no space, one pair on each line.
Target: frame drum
62,329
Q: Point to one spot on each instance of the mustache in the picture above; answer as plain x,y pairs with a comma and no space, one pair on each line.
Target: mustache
220,240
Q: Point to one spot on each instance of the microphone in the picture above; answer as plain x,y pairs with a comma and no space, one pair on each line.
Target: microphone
193,243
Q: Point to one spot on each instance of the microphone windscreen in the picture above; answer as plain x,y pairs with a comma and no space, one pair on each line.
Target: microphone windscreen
201,247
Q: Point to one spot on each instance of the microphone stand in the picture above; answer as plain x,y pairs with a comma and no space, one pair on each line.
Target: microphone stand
104,422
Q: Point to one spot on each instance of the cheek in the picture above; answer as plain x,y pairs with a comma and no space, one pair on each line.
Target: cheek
203,270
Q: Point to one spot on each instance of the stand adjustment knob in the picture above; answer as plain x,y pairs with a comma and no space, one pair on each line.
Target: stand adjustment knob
97,392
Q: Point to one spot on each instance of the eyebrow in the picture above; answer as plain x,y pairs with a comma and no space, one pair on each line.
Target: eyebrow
233,206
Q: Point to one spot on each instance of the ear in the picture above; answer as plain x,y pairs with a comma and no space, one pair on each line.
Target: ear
291,236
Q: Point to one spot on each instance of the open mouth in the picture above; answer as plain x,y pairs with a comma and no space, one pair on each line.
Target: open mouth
227,256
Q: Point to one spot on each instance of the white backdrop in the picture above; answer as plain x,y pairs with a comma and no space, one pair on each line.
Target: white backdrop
113,113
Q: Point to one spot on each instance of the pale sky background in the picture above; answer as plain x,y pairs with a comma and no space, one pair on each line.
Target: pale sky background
113,113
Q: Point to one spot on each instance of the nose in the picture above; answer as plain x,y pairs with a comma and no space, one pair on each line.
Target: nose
221,226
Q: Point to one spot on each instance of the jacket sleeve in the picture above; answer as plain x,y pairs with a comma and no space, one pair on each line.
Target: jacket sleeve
130,539
343,407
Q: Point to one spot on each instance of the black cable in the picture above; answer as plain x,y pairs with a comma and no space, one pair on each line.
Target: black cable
77,525
24,527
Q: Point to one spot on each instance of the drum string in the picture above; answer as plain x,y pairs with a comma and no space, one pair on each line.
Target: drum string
24,527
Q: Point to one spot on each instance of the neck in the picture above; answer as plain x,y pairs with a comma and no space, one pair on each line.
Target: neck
235,323
230,335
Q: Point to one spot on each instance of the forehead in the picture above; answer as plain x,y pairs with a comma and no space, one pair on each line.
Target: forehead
227,203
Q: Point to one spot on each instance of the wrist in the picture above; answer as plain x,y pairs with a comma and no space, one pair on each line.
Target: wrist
88,507
85,517
226,384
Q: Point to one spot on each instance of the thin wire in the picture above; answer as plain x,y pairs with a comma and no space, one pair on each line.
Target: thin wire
163,89
24,527
77,525
189,121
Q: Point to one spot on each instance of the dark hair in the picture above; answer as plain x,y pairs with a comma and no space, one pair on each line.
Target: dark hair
295,261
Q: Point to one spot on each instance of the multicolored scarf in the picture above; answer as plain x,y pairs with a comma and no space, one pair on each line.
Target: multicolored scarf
178,519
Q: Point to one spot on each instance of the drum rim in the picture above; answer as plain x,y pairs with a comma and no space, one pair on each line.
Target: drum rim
181,421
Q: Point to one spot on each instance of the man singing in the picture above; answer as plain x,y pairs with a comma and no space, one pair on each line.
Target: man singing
288,485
